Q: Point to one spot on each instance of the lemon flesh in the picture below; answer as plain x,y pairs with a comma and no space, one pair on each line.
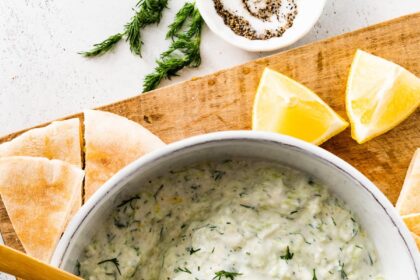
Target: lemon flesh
380,95
284,106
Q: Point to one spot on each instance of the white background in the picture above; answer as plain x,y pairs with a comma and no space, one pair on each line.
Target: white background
42,77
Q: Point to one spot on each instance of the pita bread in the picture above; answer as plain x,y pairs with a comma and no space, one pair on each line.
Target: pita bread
36,193
417,239
413,222
59,140
112,142
409,199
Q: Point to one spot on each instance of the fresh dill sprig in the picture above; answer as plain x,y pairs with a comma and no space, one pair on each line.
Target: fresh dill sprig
180,269
195,24
343,273
104,46
288,256
184,50
314,274
191,250
180,18
113,261
165,69
77,268
128,201
248,207
148,12
226,274
217,175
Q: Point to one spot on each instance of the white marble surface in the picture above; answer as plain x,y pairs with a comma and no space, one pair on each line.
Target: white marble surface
42,77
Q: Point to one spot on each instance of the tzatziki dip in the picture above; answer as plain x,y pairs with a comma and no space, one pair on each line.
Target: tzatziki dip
235,219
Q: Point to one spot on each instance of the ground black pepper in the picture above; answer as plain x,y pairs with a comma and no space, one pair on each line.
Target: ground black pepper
261,9
266,11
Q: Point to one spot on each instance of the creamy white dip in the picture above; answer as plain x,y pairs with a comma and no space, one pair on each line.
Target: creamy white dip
237,219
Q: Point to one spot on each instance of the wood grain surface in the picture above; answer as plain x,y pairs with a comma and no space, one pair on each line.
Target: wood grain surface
223,101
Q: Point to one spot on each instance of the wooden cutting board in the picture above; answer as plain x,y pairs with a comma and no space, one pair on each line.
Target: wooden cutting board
223,101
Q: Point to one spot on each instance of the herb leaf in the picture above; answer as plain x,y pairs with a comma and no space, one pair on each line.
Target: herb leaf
248,207
226,274
314,274
104,46
180,269
148,12
155,195
128,201
288,255
180,18
191,250
183,52
77,268
217,175
370,258
114,261
343,274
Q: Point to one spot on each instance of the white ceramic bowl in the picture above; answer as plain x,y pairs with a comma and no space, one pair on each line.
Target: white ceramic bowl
395,246
308,14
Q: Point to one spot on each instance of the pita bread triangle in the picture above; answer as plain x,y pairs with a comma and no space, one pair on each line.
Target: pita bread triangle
417,239
413,222
58,140
36,193
408,201
112,142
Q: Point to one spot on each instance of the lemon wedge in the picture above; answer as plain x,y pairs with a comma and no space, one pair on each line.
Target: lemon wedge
284,106
380,94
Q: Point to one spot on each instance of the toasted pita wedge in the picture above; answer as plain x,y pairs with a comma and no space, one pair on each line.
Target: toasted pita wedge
59,140
413,222
417,239
409,199
112,142
38,194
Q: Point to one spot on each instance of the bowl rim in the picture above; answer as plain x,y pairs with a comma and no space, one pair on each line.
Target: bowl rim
256,45
108,188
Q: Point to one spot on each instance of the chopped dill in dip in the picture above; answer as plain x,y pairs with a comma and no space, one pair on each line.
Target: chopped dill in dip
231,220
257,19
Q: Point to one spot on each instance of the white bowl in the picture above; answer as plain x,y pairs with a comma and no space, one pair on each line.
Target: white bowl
308,14
396,248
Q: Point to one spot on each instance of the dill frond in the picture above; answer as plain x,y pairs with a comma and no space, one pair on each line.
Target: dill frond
103,47
147,12
180,19
226,274
184,50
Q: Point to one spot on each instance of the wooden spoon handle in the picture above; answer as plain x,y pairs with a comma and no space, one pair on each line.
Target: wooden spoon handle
18,264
